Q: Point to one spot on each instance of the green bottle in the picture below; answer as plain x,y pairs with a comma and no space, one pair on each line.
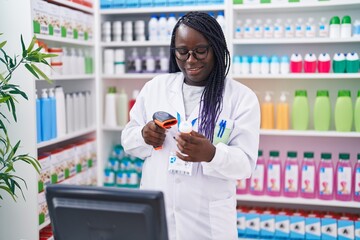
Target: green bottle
322,111
300,111
343,111
357,113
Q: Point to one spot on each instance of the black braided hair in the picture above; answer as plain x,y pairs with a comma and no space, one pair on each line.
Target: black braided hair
211,98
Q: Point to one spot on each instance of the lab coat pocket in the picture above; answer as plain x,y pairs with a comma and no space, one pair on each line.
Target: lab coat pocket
222,131
223,219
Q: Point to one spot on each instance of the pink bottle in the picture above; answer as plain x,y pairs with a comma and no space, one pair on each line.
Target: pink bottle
310,63
242,186
343,178
291,175
324,63
257,180
273,175
308,176
296,63
326,177
357,179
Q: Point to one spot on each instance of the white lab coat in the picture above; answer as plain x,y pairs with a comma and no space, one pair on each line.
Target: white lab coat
201,206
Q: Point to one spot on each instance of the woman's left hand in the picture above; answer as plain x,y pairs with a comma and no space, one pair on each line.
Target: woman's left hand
195,146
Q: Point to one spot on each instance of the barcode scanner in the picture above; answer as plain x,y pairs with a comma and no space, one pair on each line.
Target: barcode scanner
164,120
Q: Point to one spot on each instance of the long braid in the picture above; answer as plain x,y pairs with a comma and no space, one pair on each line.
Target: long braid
211,98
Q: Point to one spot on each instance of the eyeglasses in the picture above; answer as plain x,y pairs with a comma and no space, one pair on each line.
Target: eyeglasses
199,53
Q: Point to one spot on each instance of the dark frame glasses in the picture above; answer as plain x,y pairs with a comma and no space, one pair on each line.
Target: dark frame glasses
199,53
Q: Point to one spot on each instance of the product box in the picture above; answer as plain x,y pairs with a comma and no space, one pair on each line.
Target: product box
282,225
329,227
40,16
57,168
70,161
91,152
64,22
44,178
106,3
346,229
267,224
89,27
357,228
54,22
241,221
252,223
42,209
312,227
297,227
81,161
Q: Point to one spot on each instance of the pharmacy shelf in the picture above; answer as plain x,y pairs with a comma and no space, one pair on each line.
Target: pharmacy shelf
341,76
66,137
265,41
44,224
297,7
297,201
72,5
152,10
136,44
310,133
144,76
112,129
65,40
70,77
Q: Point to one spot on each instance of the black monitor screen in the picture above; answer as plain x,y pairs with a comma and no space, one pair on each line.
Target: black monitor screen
100,213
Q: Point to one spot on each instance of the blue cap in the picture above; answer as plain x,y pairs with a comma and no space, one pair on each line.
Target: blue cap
237,59
245,59
285,59
264,59
274,59
255,59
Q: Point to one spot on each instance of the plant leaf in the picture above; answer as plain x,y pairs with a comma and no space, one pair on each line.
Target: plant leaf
47,55
2,44
4,99
13,151
31,46
24,52
31,70
43,75
17,91
13,195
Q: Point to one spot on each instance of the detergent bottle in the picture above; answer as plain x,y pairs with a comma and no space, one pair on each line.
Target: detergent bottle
326,177
282,113
307,176
267,112
343,178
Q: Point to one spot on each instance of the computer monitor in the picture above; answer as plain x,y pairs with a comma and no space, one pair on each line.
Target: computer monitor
103,213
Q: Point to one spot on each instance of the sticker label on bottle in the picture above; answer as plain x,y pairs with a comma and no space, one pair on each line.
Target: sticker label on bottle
291,178
257,179
344,180
326,180
308,179
273,180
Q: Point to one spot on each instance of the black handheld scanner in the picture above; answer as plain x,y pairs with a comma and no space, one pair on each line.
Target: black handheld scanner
164,120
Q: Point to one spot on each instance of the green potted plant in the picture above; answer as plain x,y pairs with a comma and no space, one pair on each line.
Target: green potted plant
29,58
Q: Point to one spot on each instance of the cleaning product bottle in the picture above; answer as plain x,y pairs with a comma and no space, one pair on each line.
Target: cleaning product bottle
343,178
323,27
299,28
69,113
278,29
322,111
284,65
268,29
267,112
291,175
339,63
326,177
153,29
274,65
308,177
110,107
163,62
357,179
324,63
296,63
345,28
310,63
310,30
149,61
45,106
334,28
248,29
237,65
38,118
274,175
60,111
264,66
300,111
282,113
255,65
258,29
343,111
357,113
289,29
352,63
122,108
52,112
257,180
245,66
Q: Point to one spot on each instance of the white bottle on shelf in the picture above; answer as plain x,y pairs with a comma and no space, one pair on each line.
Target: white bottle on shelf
162,28
89,111
289,29
117,31
82,111
265,65
278,29
109,66
346,26
80,62
310,30
255,65
73,62
76,111
268,29
221,20
60,111
163,62
248,29
299,28
237,65
284,65
239,30
66,59
258,29
119,61
153,28
110,108
149,61
69,113
170,24
122,108
356,28
134,62
334,27
245,65
274,65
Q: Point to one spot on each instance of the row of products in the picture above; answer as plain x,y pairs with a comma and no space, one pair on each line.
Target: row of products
69,61
341,63
46,233
344,113
306,179
266,223
122,170
280,29
86,3
59,21
71,164
115,62
154,3
117,107
58,114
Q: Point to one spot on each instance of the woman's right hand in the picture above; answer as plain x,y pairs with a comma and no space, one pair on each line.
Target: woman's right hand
153,134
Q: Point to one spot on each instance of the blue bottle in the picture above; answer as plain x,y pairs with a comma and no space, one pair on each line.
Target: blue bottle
53,113
38,119
45,109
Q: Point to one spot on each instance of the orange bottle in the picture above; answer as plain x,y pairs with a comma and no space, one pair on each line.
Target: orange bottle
282,113
267,112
